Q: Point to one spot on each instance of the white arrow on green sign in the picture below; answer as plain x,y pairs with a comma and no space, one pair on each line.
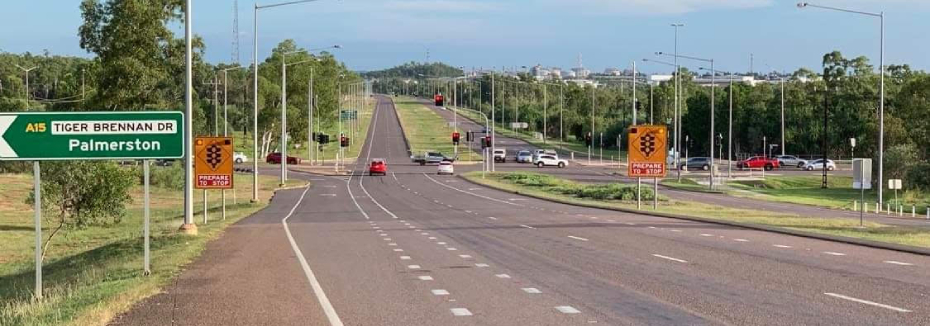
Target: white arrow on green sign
36,136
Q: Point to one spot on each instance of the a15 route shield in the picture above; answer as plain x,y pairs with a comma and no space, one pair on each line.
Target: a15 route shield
37,136
647,151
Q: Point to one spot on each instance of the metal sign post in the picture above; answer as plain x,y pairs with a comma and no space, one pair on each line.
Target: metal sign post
639,186
862,180
72,136
146,270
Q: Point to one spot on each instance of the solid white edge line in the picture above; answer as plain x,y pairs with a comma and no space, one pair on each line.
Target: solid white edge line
471,193
671,258
328,309
876,304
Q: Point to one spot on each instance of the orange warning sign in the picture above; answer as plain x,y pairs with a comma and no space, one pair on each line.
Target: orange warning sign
213,163
647,151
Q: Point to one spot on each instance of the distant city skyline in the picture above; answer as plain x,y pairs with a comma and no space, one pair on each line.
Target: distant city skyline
482,33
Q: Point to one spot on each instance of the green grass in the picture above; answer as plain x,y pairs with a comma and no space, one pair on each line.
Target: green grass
686,184
93,274
428,131
841,227
806,190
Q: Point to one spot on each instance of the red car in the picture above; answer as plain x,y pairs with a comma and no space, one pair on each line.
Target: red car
377,166
275,158
758,162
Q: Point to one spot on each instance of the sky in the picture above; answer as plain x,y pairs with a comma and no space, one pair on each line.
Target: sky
378,34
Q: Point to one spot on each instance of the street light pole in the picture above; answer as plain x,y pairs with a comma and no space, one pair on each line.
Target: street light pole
634,95
26,72
783,115
188,226
677,118
881,104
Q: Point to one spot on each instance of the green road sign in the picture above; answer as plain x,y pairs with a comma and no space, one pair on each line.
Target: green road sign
35,136
349,115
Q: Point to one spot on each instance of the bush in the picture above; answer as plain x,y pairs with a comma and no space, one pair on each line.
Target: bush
918,176
169,177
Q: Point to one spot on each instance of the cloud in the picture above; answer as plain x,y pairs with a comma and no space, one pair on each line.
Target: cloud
653,7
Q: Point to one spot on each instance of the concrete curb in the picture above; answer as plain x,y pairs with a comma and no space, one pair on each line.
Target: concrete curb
402,131
804,234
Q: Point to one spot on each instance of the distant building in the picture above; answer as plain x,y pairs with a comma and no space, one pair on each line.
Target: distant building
612,72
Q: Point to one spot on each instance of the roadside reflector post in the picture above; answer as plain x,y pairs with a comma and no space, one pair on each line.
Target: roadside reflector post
913,210
38,214
655,194
855,205
146,270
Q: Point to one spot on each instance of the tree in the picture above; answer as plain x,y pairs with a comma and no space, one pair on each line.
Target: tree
79,194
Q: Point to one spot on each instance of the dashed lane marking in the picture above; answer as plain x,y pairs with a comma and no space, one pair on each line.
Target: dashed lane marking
706,235
871,303
441,243
399,250
532,290
502,276
833,253
567,310
895,262
465,256
577,238
781,246
671,258
526,226
439,292
451,249
425,278
492,217
481,265
404,257
460,312
413,266
741,240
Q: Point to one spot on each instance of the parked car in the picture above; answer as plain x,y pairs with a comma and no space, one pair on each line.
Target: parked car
696,163
431,158
500,155
790,160
275,158
377,166
524,157
550,160
818,165
758,162
239,157
446,167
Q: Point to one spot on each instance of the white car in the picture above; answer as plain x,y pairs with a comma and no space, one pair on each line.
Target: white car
550,160
500,155
239,157
445,167
818,165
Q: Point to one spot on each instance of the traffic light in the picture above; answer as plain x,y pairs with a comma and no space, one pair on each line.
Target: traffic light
587,139
343,141
322,138
485,142
455,138
639,105
468,136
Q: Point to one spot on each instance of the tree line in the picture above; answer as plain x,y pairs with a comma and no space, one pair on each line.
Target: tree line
847,90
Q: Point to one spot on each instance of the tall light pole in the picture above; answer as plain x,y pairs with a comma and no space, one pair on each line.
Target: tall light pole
634,96
255,90
26,72
881,104
713,100
729,130
677,114
782,115
188,226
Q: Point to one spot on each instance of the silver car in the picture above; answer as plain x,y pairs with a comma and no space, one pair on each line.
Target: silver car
790,160
524,157
818,165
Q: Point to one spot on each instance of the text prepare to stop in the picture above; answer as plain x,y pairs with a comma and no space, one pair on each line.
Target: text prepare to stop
213,180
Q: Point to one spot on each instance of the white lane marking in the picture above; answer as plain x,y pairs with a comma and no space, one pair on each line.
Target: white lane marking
394,175
450,206
492,217
432,238
471,193
481,265
375,227
411,227
671,258
468,211
328,195
516,199
413,266
465,256
502,276
781,246
424,233
871,303
399,250
895,262
834,253
741,240
317,179
404,257
652,227
425,278
706,235
473,189
532,290
328,309
577,238
676,230
567,310
417,230
526,226
593,217
329,186
441,243
451,249
460,312
387,239
362,177
392,244
439,292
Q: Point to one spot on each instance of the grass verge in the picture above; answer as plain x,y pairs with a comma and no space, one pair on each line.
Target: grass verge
92,274
428,131
837,227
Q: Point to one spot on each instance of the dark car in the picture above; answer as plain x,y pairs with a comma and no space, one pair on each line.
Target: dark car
696,163
275,158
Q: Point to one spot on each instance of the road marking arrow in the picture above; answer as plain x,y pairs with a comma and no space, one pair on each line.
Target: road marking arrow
5,149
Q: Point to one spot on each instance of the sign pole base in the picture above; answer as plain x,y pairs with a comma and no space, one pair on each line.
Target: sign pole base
189,229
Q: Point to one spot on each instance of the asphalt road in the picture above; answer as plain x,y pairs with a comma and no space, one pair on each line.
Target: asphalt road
413,248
